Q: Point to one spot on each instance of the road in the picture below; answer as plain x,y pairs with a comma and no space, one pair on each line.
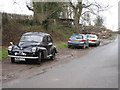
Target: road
97,69
119,61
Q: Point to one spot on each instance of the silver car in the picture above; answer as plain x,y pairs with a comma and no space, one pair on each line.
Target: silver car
93,39
78,40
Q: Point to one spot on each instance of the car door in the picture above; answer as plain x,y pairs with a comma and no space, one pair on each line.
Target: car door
45,41
50,44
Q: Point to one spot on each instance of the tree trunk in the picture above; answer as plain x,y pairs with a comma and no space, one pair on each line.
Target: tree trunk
77,15
76,22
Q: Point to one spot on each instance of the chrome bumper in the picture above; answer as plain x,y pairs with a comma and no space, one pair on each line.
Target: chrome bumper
23,57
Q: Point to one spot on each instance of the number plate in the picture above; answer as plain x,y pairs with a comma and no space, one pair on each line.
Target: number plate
21,59
75,40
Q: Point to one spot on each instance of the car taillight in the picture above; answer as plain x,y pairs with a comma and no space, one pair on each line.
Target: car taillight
93,40
82,40
69,39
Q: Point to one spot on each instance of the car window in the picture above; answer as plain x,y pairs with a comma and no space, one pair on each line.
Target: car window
77,36
31,38
91,36
49,39
45,39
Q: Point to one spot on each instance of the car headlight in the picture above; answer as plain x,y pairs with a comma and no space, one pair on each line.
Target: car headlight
34,49
10,48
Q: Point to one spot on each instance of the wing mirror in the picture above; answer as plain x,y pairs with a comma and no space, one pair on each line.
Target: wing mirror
11,43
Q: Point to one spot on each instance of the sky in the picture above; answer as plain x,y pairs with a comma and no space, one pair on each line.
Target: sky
19,7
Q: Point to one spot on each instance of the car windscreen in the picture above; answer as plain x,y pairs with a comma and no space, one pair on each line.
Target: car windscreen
77,36
31,38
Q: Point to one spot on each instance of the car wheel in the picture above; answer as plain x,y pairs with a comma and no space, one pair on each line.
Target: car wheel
53,55
87,45
12,60
69,46
96,45
99,44
39,58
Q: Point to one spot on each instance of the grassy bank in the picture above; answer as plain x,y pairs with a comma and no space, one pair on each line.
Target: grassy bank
60,45
3,53
58,32
113,36
0,53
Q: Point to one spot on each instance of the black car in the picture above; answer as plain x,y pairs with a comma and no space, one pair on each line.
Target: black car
33,46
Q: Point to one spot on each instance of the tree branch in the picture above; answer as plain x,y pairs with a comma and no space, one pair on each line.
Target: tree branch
88,12
91,5
30,8
72,4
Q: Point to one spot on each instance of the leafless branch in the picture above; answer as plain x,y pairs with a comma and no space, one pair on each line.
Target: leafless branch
88,12
29,7
71,4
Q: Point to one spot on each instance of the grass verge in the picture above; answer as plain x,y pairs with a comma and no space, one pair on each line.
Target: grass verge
3,53
60,45
0,53
113,36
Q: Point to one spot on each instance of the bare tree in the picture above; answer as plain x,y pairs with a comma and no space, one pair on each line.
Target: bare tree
44,11
99,21
78,7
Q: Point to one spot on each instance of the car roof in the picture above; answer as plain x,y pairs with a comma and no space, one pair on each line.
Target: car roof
77,34
91,34
36,33
80,34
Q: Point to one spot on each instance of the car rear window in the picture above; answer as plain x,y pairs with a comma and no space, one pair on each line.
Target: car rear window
77,36
91,36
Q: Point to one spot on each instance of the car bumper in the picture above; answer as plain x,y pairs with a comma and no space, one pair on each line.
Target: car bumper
75,44
23,57
92,43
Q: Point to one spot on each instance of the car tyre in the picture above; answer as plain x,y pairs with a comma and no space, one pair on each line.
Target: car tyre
88,46
28,60
53,55
12,60
69,46
99,44
39,58
96,45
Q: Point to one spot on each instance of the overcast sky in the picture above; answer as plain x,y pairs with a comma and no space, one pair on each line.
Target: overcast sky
19,7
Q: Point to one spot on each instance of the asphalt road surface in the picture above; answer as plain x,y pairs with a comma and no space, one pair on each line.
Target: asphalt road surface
98,69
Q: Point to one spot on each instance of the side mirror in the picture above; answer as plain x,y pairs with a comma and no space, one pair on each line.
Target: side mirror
11,43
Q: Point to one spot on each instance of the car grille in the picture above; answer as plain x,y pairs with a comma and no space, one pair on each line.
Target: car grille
23,54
